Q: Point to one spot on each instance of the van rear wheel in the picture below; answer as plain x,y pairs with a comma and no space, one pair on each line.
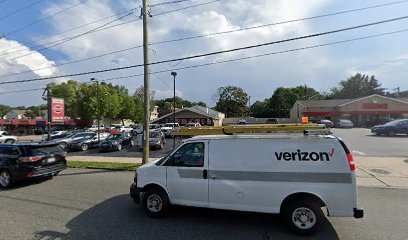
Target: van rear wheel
303,217
155,203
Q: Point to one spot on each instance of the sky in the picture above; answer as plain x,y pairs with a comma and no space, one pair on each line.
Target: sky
41,38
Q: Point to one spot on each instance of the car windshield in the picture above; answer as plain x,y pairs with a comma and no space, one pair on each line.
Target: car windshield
169,125
113,137
155,134
89,136
393,123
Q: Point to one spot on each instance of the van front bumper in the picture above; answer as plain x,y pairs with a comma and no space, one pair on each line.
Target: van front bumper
135,193
358,213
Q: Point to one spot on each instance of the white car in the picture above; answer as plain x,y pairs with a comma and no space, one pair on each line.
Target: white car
6,138
168,127
192,125
94,128
123,129
292,175
53,134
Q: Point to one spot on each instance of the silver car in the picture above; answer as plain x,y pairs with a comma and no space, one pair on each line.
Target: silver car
343,123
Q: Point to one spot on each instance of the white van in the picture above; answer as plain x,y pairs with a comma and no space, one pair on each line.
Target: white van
294,175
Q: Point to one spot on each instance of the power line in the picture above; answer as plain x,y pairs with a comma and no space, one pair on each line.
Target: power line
261,55
62,32
165,3
212,53
19,91
20,10
68,39
57,42
192,6
205,35
241,58
44,18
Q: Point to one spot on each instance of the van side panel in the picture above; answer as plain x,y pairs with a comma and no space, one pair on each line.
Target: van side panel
253,174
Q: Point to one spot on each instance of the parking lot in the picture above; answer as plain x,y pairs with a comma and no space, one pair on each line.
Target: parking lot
363,143
360,141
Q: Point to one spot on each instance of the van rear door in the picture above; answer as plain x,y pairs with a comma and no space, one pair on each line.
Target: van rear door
187,181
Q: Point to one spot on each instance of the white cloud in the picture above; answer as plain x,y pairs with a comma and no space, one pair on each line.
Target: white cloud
161,94
10,62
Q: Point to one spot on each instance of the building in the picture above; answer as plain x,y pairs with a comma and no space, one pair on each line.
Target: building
15,114
361,111
202,115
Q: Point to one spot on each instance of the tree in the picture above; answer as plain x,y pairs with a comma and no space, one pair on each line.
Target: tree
357,86
4,109
232,101
282,101
260,109
69,92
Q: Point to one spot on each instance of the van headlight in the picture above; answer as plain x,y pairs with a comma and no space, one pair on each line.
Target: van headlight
114,143
157,142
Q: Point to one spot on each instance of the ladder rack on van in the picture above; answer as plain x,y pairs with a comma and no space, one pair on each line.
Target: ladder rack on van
258,128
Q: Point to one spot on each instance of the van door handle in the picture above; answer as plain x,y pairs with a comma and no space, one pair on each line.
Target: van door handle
205,174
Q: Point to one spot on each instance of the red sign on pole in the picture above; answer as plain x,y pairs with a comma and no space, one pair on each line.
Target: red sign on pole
57,110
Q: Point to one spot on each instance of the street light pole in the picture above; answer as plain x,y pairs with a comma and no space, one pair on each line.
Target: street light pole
174,74
110,111
94,80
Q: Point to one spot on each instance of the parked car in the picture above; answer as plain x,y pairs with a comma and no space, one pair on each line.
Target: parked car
327,123
272,121
392,128
7,138
291,176
138,129
94,128
85,143
116,142
54,134
122,129
343,123
21,161
63,142
192,125
378,121
166,129
156,139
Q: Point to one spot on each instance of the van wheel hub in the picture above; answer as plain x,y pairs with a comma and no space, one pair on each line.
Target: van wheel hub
154,203
304,218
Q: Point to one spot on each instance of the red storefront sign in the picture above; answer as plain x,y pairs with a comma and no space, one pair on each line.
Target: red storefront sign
375,106
57,110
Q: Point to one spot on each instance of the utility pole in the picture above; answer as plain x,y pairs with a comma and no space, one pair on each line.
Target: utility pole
146,88
94,80
249,106
47,90
174,74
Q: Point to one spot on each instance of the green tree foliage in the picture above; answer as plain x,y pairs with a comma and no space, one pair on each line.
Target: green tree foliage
167,104
282,100
232,101
4,109
81,101
357,86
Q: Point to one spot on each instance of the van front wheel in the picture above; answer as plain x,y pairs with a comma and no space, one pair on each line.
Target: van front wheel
155,203
303,217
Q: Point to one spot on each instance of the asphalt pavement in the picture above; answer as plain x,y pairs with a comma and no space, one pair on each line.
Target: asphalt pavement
95,204
363,143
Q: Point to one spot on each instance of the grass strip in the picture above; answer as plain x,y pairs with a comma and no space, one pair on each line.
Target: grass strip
104,165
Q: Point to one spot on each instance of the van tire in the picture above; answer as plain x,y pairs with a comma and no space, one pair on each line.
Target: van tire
155,196
313,214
